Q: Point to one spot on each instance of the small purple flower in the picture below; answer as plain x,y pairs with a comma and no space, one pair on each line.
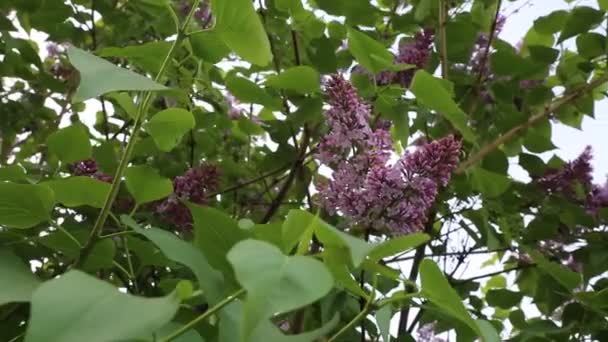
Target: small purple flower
54,50
85,167
529,84
566,179
234,112
88,167
193,186
426,333
416,52
436,160
202,14
573,264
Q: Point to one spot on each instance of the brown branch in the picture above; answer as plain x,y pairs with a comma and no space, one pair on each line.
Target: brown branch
443,48
299,161
516,268
545,113
486,53
249,182
418,257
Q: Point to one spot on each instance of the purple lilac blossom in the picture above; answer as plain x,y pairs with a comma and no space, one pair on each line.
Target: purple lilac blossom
202,15
54,50
416,52
366,190
234,112
565,180
193,186
88,167
426,333
479,62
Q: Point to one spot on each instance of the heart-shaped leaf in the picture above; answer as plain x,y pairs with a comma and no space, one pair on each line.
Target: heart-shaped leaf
169,126
98,76
71,308
275,282
146,185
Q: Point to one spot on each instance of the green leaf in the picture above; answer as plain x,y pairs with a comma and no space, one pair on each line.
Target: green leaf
147,56
297,223
146,185
487,331
337,261
17,282
503,298
101,256
580,20
275,283
6,25
249,92
302,79
25,205
397,245
489,183
552,23
430,92
591,45
169,126
210,280
12,173
189,336
71,307
98,76
569,279
79,191
125,102
209,46
437,289
332,237
239,26
215,233
70,144
232,316
603,4
538,138
383,319
370,53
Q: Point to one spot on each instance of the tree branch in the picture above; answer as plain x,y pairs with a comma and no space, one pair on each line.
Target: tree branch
548,110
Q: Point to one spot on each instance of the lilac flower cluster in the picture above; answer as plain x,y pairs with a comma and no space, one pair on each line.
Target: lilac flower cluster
364,188
426,333
59,67
574,181
193,186
479,62
416,52
570,177
88,167
234,112
202,15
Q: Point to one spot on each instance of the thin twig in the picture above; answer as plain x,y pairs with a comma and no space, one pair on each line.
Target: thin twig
418,257
361,315
141,114
443,48
517,268
204,316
